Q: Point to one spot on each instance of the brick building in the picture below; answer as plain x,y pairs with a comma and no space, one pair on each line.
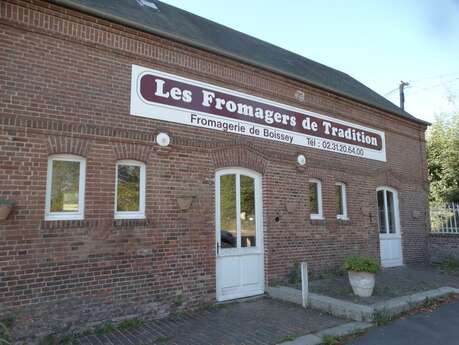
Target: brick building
159,161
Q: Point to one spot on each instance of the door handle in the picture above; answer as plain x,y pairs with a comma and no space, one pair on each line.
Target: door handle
218,247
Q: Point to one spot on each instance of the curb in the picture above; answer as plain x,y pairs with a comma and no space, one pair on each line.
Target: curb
357,312
338,331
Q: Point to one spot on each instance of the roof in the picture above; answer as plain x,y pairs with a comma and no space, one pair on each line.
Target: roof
173,23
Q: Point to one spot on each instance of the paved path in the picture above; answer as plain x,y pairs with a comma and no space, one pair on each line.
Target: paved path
259,322
438,327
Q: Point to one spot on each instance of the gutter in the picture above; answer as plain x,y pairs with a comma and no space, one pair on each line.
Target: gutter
126,22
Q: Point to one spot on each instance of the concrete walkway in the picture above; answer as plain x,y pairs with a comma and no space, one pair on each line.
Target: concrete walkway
261,321
438,327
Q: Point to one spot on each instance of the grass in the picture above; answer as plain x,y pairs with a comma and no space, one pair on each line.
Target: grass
331,340
161,340
289,337
449,266
108,327
382,317
5,331
341,340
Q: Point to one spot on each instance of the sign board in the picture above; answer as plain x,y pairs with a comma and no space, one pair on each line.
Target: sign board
168,97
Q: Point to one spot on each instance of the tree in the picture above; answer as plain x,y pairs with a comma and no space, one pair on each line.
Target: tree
443,158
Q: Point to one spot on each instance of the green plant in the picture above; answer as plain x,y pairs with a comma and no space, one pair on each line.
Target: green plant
381,317
295,275
104,329
449,265
289,337
4,335
6,202
161,340
361,264
130,324
330,340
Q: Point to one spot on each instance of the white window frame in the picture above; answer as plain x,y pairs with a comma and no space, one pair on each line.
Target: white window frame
344,215
319,215
81,190
140,214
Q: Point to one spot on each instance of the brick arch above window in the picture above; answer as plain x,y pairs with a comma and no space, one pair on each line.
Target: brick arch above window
136,152
240,155
68,145
388,178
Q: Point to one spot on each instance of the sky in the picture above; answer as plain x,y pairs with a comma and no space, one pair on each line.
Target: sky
378,42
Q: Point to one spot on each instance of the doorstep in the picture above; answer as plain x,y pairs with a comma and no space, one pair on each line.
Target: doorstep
354,311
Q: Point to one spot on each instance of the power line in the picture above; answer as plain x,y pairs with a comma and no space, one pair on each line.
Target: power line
411,86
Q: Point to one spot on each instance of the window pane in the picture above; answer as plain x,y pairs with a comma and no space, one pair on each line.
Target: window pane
313,199
339,199
390,209
128,191
65,186
248,229
228,220
381,215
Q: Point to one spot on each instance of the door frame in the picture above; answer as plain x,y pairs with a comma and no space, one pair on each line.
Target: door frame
259,249
398,230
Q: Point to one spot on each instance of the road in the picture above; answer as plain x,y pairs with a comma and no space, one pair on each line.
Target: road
431,328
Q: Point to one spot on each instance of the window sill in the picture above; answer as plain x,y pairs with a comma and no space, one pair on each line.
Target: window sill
63,217
121,216
316,217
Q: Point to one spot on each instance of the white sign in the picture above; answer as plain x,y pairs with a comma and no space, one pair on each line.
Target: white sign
168,97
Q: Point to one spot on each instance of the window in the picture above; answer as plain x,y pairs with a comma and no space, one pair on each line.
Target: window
341,201
130,190
315,199
387,210
65,187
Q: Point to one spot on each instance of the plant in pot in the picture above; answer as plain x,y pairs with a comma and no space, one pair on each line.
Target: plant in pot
361,273
5,208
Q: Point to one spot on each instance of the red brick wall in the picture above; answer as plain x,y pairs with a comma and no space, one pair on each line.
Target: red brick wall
444,247
65,88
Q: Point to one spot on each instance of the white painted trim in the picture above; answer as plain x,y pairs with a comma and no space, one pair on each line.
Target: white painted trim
81,188
259,248
140,214
319,215
344,215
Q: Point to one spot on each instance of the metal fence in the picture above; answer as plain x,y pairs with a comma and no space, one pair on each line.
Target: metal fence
444,219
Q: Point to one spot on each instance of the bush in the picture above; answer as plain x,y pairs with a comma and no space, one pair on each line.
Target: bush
361,264
6,202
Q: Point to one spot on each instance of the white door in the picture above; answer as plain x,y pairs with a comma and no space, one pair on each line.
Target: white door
239,234
389,227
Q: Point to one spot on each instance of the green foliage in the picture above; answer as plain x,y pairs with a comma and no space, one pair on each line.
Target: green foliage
331,340
361,264
381,317
130,324
449,265
294,277
443,158
104,329
289,337
4,334
161,340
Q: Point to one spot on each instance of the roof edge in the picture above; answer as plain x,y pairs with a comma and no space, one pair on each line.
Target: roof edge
89,10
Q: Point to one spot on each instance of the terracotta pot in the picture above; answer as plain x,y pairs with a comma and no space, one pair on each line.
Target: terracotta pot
362,283
184,203
5,210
